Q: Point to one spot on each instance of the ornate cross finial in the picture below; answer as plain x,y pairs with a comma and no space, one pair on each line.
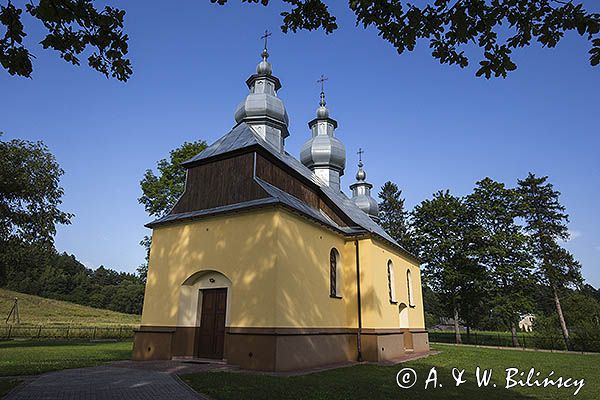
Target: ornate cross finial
322,82
266,36
360,152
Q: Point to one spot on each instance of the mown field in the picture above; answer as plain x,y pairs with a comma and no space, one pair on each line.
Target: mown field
530,340
31,357
379,382
35,311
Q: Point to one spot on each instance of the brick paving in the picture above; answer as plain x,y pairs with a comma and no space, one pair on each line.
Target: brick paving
122,382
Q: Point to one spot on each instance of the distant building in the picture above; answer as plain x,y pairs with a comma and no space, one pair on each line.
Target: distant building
526,322
266,263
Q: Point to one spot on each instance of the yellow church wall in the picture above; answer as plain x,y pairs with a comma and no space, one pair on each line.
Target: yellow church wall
241,246
378,312
303,280
278,265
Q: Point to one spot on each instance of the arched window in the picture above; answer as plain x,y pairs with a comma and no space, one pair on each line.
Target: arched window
334,274
411,300
391,282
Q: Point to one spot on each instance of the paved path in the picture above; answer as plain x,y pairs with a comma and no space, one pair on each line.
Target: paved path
123,381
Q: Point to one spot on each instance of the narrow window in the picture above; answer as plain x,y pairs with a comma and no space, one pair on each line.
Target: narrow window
334,273
391,283
411,301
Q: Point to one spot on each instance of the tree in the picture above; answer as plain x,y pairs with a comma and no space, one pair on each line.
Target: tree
393,216
546,224
73,26
444,237
160,193
30,196
497,27
502,250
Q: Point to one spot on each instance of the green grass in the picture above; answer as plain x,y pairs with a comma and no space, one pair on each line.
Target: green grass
6,385
36,310
36,357
377,382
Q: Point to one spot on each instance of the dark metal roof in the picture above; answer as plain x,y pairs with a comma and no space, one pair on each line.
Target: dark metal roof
212,211
242,136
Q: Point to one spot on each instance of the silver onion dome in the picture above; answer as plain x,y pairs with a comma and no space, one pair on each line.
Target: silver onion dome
262,109
361,194
323,153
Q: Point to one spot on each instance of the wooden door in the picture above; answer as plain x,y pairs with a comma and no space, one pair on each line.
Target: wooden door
211,334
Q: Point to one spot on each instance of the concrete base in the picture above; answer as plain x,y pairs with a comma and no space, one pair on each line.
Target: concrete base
284,349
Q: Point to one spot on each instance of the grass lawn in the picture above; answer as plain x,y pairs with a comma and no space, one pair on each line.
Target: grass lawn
377,382
7,385
36,310
35,357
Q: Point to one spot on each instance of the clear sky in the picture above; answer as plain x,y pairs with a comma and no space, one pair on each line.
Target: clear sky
423,125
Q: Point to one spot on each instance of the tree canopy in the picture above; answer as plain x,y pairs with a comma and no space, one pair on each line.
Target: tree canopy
160,193
72,26
393,216
30,192
496,27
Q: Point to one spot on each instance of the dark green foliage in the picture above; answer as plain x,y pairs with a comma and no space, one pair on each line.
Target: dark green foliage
393,216
73,26
30,196
495,255
496,27
142,269
582,314
160,193
46,273
444,232
546,224
434,309
501,247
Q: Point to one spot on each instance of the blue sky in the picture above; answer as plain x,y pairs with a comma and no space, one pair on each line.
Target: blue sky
423,125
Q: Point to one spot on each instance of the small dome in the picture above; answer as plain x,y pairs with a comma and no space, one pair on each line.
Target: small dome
260,105
367,204
322,112
361,175
361,193
264,67
324,150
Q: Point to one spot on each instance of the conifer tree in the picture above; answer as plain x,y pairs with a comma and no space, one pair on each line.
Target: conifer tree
501,248
546,224
393,216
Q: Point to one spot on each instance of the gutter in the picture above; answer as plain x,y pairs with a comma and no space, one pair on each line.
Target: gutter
359,332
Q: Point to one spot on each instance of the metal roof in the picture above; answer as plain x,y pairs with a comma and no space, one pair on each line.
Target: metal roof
242,136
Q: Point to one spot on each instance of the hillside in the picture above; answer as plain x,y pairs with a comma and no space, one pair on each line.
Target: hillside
36,310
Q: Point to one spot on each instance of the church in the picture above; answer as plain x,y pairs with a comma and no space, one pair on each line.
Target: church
266,264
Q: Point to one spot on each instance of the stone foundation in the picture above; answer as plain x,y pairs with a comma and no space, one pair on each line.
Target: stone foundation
283,349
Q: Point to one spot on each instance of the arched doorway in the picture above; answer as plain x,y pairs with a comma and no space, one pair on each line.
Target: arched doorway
203,303
403,310
404,324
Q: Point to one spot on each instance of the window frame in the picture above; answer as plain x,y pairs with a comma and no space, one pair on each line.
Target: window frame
334,274
391,283
409,286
